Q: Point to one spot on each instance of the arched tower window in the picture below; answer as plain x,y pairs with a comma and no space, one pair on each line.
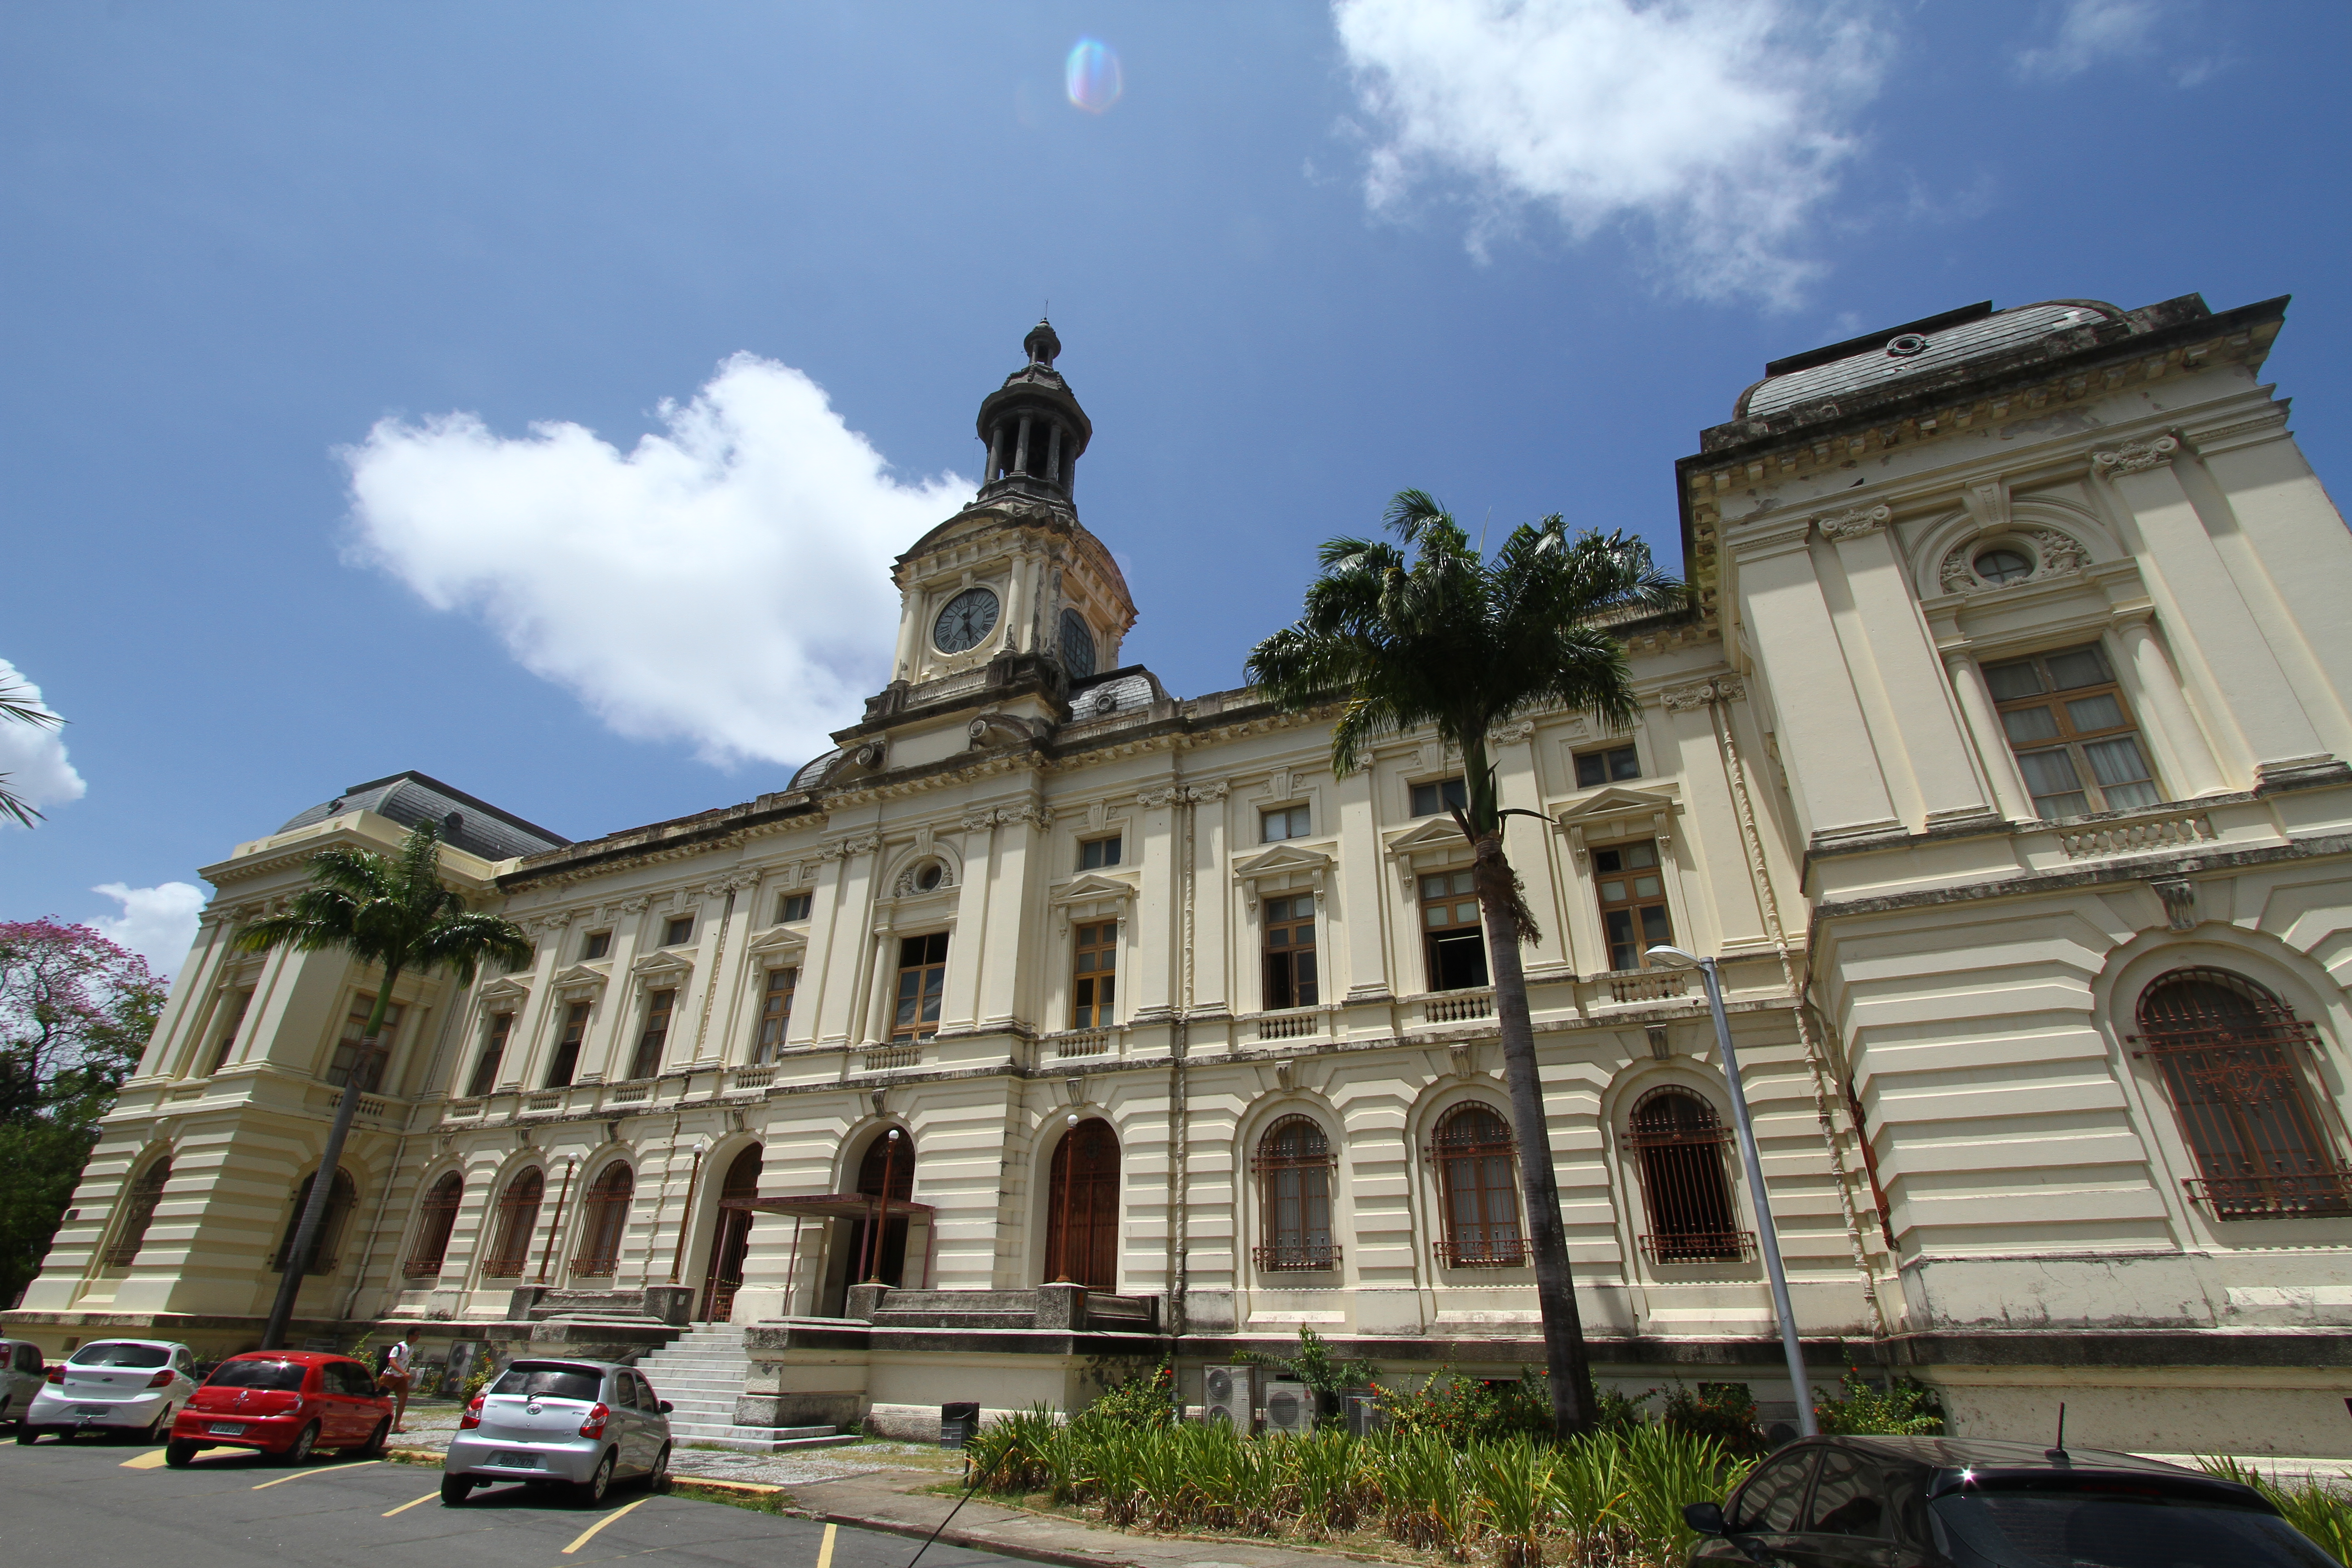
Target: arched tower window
325,1246
518,1219
1294,1178
1478,1201
605,1216
1679,1141
138,1214
437,1217
2238,1064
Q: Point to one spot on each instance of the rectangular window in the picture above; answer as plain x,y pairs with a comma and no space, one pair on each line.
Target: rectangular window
679,932
775,1014
236,1012
1456,943
1445,794
486,1067
1290,952
647,1061
1096,852
794,906
1094,975
567,1049
922,981
1284,822
2074,740
1606,767
596,945
347,1050
1631,888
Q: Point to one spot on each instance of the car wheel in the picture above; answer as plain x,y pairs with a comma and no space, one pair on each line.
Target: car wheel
657,1479
299,1450
592,1491
374,1447
28,1433
456,1489
179,1453
159,1429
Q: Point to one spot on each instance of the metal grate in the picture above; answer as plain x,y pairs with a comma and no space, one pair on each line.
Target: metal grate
1504,1253
607,1216
1293,1166
436,1218
1678,1141
1475,1157
1693,1247
1298,1259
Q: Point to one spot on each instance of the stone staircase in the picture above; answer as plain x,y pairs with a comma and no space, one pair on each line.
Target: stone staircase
700,1373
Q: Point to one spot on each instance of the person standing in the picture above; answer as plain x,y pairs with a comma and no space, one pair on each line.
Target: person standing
396,1378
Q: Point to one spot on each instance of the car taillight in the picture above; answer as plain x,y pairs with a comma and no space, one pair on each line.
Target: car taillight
161,1380
57,1374
594,1426
473,1417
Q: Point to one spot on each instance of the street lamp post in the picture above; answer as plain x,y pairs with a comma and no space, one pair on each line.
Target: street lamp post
889,1156
1764,1234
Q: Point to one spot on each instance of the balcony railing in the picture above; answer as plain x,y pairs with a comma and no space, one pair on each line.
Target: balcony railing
1499,1254
1458,1007
1688,1247
623,1094
1647,986
752,1078
1282,1259
503,1268
1289,1026
1092,1043
890,1059
2274,1198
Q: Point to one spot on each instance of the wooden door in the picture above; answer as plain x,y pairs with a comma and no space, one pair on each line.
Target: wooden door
731,1239
1082,1208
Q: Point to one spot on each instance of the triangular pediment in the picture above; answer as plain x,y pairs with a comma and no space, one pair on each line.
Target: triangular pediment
580,977
505,992
1280,859
778,940
657,965
1615,800
1090,887
1431,833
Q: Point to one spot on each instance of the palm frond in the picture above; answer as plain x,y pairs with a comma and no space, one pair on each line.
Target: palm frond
392,911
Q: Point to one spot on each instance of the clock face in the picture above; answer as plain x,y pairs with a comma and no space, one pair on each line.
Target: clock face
970,616
1078,644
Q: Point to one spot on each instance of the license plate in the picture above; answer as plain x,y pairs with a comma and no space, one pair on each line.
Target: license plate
91,1410
515,1461
226,1429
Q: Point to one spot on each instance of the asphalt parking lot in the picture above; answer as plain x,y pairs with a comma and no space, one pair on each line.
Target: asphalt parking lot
89,1502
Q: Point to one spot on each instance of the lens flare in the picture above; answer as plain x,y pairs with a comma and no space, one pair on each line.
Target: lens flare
1092,75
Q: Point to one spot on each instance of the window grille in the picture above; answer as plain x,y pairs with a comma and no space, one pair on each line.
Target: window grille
1293,1165
1478,1201
1678,1142
437,1217
605,1216
775,1015
922,983
1290,952
139,1213
2234,1060
518,1219
486,1069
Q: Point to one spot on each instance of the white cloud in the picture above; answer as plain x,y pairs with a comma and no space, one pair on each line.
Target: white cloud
1716,126
725,583
2088,32
158,923
33,756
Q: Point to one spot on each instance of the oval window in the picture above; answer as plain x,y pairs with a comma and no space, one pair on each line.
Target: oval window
927,877
2001,566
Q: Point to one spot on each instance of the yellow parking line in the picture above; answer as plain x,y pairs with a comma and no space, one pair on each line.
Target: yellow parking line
585,1536
824,1552
152,1459
321,1470
404,1507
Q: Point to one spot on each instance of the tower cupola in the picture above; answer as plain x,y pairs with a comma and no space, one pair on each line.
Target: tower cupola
1034,430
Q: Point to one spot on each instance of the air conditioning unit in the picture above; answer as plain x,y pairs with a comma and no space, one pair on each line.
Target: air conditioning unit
1290,1406
1366,1415
1228,1394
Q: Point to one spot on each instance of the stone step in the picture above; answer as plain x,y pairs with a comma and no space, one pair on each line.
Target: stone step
757,1439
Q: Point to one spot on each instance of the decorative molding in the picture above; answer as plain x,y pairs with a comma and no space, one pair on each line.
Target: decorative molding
1207,793
1989,500
1093,890
778,940
1853,522
580,978
1699,693
1618,812
2135,457
1284,860
1152,799
668,963
1954,576
1660,1046
1512,734
2061,554
860,844
2057,555
2179,896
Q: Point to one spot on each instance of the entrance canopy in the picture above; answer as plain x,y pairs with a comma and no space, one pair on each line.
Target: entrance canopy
829,1205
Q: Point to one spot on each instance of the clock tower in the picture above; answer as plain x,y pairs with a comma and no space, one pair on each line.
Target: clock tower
1009,603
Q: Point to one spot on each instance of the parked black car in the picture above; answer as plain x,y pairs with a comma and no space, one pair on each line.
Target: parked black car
1950,1503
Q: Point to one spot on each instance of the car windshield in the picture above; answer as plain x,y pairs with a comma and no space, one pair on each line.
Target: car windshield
537,1379
2100,1528
256,1375
117,1354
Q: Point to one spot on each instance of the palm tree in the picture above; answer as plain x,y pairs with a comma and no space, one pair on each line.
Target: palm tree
18,704
1453,639
394,914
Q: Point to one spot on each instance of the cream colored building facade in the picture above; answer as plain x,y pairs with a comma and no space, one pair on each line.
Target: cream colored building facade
2048,1076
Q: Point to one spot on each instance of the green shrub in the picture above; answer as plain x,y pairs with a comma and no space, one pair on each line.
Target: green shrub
1723,1412
1461,1409
2321,1512
1905,1407
1326,1376
1149,1400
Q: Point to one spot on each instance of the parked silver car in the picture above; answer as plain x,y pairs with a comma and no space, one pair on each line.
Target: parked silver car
20,1377
585,1423
125,1387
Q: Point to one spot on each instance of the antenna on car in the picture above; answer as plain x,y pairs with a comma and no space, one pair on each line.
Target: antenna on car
2058,1450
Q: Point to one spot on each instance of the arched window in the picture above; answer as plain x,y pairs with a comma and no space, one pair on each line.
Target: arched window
518,1219
1679,1140
2237,1063
1294,1178
605,1216
325,1246
436,1218
1476,1196
138,1214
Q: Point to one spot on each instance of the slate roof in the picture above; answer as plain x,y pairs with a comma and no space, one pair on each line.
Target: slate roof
1921,348
408,798
1127,690
812,771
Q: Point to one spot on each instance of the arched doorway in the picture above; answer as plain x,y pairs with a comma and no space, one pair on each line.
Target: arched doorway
730,1240
1082,1208
892,1161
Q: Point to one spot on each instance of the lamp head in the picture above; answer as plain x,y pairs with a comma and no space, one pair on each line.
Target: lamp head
894,1135
1674,955
1072,1119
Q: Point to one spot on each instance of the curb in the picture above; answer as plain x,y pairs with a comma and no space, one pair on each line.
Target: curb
966,1538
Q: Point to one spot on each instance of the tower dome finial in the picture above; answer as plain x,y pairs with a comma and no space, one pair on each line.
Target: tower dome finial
1042,342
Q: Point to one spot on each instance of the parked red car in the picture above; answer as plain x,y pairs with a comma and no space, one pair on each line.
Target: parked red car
285,1404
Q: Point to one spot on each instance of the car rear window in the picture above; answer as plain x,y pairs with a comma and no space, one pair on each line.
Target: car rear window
2117,1529
546,1382
111,1352
256,1375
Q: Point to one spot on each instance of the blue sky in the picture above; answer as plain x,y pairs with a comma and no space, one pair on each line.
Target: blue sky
303,300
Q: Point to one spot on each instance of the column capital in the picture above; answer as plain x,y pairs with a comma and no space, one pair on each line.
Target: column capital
1853,522
1699,693
2135,457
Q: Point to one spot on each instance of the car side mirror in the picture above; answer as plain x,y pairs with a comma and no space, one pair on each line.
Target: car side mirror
666,1406
1707,1518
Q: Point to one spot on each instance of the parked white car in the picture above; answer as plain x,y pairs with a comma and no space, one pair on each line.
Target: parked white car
584,1423
20,1377
117,1387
